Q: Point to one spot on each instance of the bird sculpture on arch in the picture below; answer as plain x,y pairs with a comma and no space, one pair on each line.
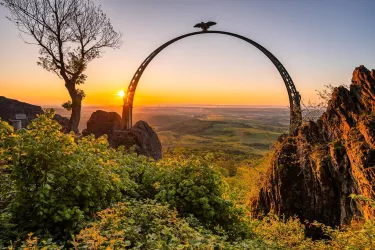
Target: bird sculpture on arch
204,26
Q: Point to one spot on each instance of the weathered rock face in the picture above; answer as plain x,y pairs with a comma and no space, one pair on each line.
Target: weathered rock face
15,110
103,123
63,121
141,135
10,110
313,172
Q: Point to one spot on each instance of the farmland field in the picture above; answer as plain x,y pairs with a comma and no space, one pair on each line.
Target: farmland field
245,130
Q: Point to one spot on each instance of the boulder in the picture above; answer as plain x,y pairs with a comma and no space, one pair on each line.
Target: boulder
141,136
313,172
103,123
63,121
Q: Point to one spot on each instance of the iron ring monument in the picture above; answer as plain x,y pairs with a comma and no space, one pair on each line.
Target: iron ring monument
294,96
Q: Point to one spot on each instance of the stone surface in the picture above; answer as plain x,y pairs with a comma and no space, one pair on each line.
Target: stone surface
313,172
102,122
63,121
10,109
141,136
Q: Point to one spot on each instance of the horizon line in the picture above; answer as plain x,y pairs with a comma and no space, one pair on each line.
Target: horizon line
177,106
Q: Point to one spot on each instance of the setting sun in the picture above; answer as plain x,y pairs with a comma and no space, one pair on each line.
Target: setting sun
121,93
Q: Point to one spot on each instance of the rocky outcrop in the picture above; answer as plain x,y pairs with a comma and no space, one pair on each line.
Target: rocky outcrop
141,136
103,123
15,110
313,172
63,121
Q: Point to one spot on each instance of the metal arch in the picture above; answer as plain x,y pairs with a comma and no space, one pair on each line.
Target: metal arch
294,96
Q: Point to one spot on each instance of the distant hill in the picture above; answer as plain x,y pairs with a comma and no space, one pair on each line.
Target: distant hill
192,126
162,120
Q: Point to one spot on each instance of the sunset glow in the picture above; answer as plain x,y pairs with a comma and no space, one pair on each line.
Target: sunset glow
121,93
210,69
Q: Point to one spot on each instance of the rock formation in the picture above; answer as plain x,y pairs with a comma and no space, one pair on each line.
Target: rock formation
15,110
63,121
10,108
313,172
102,122
141,135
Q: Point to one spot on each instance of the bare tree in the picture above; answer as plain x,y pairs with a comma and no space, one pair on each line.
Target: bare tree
313,110
70,34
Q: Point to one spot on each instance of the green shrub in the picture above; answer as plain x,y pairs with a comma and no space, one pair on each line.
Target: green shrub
34,243
54,181
51,182
193,187
141,225
150,225
279,233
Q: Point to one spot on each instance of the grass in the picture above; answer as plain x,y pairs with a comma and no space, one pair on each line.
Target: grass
219,135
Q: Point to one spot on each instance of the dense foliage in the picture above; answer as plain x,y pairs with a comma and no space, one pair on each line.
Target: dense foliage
142,225
52,182
193,188
58,191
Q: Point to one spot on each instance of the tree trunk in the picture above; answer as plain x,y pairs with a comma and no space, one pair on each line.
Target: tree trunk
75,116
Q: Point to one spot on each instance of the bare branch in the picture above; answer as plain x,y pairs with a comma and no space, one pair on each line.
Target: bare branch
70,33
312,111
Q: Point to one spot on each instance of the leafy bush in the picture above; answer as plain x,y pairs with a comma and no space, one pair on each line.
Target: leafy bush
151,225
142,225
279,233
33,243
193,187
51,182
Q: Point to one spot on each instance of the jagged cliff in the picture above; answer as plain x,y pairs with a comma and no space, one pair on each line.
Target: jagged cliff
313,172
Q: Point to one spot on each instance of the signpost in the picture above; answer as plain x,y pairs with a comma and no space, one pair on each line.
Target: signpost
17,124
21,117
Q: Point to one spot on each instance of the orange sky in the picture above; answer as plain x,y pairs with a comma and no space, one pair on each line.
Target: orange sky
209,78
209,69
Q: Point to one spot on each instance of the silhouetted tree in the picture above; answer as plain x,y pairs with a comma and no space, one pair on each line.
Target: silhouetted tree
70,34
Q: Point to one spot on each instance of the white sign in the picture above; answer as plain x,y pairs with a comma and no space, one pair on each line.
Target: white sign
21,116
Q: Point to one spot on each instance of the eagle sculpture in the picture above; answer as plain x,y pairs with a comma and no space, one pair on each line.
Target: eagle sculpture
204,26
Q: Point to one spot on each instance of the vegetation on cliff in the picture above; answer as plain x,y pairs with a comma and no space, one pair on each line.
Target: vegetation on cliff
314,172
59,191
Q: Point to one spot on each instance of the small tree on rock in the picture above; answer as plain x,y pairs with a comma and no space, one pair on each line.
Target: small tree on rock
70,34
313,110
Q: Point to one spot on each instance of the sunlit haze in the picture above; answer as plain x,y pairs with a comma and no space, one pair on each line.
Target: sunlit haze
121,93
319,43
